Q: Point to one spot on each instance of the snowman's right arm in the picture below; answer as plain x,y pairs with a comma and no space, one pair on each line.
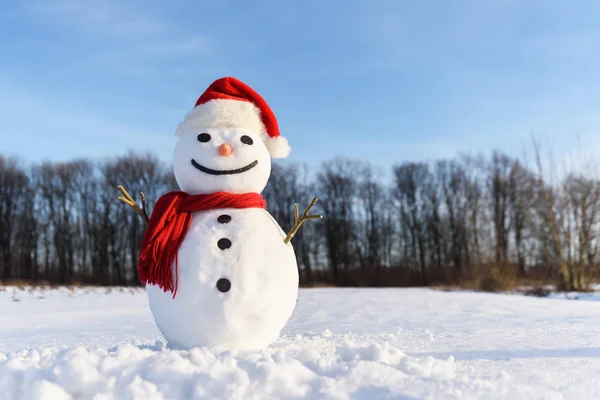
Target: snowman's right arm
127,199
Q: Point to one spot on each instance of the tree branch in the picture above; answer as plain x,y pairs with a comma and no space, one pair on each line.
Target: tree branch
127,199
299,220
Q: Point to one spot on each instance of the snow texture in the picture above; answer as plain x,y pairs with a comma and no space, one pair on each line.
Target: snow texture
339,344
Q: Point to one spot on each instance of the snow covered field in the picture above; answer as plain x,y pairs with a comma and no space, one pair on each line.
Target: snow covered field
340,344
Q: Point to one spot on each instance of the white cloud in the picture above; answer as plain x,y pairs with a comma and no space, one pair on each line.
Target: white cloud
103,17
124,26
48,129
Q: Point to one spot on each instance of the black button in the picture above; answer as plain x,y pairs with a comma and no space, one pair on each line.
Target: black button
224,244
223,219
223,285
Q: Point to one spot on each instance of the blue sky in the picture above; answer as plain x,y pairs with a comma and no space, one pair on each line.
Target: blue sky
384,81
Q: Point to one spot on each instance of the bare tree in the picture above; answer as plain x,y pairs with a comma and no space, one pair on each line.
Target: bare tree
412,182
374,223
337,189
568,224
451,177
499,193
13,184
61,221
287,185
521,186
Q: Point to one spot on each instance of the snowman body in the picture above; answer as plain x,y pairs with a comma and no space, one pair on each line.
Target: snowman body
237,282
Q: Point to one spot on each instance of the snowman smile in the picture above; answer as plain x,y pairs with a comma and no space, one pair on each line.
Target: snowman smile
226,171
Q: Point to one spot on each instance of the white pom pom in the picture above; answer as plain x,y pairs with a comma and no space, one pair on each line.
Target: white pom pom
278,147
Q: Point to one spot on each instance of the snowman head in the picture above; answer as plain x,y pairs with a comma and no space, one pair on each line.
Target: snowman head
227,141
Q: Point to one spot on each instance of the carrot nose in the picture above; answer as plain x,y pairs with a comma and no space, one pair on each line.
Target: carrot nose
225,150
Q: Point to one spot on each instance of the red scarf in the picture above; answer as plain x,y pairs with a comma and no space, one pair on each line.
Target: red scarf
170,220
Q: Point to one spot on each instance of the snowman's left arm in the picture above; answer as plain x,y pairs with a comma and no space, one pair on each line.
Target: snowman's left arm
299,220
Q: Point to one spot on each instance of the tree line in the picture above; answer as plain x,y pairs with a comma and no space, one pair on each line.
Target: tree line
486,219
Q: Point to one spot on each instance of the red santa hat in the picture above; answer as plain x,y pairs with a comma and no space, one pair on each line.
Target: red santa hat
230,103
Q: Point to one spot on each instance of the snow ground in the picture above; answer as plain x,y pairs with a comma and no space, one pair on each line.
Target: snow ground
340,344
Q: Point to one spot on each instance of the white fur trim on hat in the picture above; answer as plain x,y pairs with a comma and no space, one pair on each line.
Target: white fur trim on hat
222,114
278,147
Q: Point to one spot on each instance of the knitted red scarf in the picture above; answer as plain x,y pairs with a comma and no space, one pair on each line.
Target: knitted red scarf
170,220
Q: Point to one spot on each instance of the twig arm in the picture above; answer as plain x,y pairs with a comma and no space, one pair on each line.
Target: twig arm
127,199
299,220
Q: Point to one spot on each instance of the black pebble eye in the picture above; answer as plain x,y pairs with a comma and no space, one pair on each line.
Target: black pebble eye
246,139
203,137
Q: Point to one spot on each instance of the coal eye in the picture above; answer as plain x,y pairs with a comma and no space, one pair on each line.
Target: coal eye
246,139
203,137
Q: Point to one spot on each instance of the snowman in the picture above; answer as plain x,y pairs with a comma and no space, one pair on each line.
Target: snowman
219,270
